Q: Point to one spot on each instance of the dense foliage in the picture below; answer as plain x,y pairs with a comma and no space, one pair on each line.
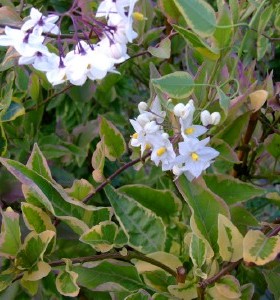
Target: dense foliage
140,149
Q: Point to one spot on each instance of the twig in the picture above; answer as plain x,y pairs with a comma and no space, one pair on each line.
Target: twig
49,98
119,171
126,257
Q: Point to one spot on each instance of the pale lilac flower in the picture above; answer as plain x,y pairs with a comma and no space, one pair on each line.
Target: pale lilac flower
40,23
194,157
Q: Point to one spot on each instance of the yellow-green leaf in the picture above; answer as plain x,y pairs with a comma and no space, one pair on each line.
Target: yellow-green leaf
80,189
102,236
114,142
260,249
187,290
199,15
230,240
37,272
198,251
3,141
10,233
66,281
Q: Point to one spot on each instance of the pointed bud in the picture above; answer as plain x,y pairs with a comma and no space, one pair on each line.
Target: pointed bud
179,109
142,106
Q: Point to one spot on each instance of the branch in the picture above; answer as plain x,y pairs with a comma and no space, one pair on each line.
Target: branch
127,257
119,171
49,98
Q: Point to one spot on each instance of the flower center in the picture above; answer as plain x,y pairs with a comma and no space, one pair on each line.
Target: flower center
194,156
161,151
135,135
148,147
189,130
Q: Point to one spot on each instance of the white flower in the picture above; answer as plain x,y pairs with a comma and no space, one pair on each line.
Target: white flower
154,112
210,119
26,44
184,111
189,130
194,156
115,51
145,136
40,23
163,152
56,72
142,107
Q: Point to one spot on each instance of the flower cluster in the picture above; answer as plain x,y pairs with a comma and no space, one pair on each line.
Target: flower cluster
190,156
87,59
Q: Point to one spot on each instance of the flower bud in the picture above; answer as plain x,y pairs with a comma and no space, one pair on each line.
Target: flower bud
142,120
142,106
165,136
179,109
215,118
205,118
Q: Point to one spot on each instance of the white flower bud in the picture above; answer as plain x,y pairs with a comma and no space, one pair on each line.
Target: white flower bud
205,117
165,136
179,109
142,120
142,106
215,118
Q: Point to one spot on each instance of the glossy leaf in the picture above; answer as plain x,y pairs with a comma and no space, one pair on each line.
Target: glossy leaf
144,229
176,85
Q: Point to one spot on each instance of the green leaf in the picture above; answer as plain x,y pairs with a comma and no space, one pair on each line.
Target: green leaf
187,290
223,36
230,189
144,229
272,278
273,145
101,237
224,100
40,270
177,85
242,218
169,9
33,249
38,163
277,19
114,142
163,50
36,219
199,15
3,141
34,87
197,251
232,133
163,203
226,152
227,287
205,207
260,249
140,295
109,276
230,240
14,110
247,291
80,189
10,234
97,162
197,43
76,214
66,281
6,278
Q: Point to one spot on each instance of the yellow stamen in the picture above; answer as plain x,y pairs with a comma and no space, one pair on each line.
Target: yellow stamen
138,16
135,135
189,130
148,147
161,151
194,156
